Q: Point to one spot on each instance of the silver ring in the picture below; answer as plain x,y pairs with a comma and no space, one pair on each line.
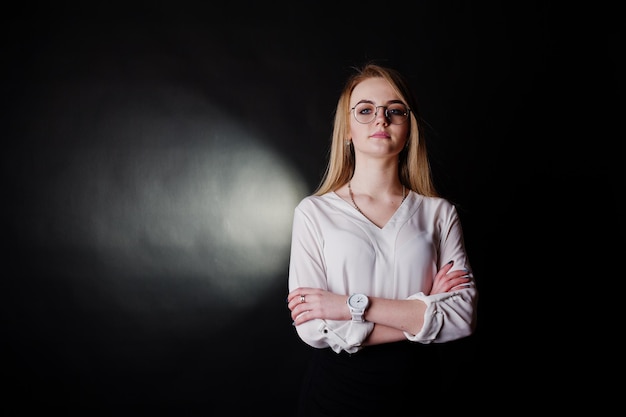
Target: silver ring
302,298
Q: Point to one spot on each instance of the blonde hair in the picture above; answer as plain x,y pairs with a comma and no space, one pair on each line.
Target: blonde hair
413,168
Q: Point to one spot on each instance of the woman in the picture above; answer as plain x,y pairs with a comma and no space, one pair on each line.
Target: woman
376,230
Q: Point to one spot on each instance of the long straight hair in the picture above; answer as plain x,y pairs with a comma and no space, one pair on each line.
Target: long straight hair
414,167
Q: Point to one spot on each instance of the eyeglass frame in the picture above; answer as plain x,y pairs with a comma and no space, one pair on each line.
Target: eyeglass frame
408,111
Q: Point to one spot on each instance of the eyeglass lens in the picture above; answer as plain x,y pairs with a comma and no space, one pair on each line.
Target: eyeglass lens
396,113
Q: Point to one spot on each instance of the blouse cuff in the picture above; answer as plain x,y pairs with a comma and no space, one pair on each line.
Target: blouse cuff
432,320
348,336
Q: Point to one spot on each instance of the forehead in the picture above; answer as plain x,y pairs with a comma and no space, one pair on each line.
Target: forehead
377,90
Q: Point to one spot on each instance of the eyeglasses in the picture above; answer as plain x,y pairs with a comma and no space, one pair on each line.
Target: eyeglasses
396,113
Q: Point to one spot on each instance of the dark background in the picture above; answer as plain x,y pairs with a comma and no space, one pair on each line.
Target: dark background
118,299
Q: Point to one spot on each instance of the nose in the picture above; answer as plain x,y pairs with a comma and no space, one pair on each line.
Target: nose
382,113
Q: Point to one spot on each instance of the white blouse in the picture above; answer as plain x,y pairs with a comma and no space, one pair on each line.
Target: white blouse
334,247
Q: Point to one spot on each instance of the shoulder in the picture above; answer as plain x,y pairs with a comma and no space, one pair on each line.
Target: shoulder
438,207
435,202
318,206
317,202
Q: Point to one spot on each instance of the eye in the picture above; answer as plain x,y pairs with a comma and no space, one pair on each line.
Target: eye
365,108
397,110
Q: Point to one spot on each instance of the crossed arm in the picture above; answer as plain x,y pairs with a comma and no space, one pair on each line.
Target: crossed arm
391,317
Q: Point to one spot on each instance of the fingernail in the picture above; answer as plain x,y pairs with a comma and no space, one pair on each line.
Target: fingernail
451,262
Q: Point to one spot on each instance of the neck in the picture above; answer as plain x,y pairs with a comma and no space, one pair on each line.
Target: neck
376,184
376,176
378,188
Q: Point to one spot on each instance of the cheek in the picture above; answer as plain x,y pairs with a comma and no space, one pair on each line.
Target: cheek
402,132
405,133
357,130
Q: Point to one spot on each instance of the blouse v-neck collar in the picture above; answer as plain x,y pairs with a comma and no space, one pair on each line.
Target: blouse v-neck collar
399,216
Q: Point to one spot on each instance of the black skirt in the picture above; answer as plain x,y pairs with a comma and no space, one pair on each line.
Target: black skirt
391,380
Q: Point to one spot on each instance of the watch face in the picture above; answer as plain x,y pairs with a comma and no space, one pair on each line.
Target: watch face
358,301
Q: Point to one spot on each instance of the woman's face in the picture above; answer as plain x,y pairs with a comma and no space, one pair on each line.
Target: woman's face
381,125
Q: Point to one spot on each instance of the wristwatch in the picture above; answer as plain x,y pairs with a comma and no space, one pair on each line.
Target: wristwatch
357,303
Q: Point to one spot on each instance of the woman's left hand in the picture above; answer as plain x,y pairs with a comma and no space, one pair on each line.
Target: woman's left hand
450,281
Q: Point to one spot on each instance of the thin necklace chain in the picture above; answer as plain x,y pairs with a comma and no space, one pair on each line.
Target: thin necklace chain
361,211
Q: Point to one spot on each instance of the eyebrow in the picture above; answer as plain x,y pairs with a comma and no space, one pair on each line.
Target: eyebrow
388,102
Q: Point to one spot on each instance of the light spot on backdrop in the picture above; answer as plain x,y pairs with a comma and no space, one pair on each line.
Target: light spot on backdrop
179,203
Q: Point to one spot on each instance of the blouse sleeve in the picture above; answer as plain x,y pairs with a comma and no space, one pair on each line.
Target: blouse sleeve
307,269
451,315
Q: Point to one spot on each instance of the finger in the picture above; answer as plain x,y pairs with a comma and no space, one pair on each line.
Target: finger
461,287
299,300
293,293
296,293
461,282
294,302
444,269
300,316
447,266
450,281
458,274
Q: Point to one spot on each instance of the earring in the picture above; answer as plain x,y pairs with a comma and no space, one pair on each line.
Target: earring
347,142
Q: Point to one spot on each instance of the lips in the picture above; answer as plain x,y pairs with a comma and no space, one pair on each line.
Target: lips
380,135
